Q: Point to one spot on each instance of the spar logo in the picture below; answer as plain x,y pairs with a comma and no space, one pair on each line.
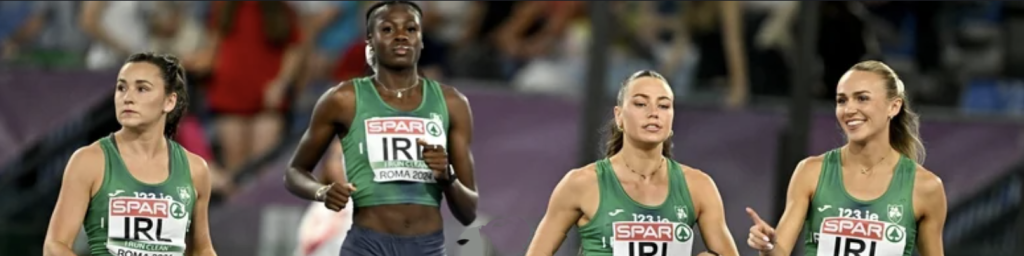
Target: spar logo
394,138
143,219
405,126
649,238
396,126
860,237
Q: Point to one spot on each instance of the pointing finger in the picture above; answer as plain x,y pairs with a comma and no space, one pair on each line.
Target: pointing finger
754,216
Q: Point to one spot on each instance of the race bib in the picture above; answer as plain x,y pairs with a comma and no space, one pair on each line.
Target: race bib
392,150
856,237
146,227
651,239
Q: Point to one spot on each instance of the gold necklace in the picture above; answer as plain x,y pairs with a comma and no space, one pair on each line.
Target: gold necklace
637,173
398,92
865,170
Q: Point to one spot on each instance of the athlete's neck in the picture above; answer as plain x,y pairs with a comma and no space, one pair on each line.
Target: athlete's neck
144,142
867,154
642,161
397,79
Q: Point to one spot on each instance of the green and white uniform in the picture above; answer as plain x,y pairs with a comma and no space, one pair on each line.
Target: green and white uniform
129,217
382,158
841,225
624,227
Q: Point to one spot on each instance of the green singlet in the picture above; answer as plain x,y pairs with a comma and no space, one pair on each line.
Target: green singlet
382,159
624,227
839,224
129,217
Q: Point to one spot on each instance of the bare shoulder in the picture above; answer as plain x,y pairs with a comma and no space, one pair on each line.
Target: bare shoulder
699,183
926,183
695,176
581,178
337,103
87,161
805,176
342,92
453,95
197,165
89,153
809,169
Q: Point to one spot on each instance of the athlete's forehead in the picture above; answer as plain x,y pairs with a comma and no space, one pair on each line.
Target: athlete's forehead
650,88
395,13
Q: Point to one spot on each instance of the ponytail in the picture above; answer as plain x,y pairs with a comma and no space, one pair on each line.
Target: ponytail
904,135
903,128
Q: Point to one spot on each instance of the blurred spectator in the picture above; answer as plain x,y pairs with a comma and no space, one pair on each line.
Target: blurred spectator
117,28
13,16
444,25
174,30
330,28
477,54
653,35
255,52
47,37
769,44
717,29
560,63
842,41
532,30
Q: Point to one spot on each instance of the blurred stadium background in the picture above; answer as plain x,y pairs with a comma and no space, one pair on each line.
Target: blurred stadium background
753,82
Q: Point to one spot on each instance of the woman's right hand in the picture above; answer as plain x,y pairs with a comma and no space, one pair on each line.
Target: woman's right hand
762,235
336,196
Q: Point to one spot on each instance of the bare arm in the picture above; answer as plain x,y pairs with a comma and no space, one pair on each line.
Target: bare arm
334,168
509,34
83,170
775,31
932,196
711,215
477,10
34,23
200,243
462,194
293,55
563,212
90,22
732,37
202,59
318,21
299,178
798,198
780,240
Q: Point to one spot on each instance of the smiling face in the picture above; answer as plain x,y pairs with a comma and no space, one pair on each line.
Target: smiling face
646,112
865,105
396,36
141,98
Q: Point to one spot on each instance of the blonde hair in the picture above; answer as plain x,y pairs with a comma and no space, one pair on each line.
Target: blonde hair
903,132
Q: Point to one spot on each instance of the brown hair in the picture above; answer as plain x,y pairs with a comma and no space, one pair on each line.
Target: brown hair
903,132
173,75
614,140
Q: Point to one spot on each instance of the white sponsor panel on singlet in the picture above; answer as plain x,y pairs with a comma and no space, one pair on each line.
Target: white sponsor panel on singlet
651,239
146,227
393,152
859,237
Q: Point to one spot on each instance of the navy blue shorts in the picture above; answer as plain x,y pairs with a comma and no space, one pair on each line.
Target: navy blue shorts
365,242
